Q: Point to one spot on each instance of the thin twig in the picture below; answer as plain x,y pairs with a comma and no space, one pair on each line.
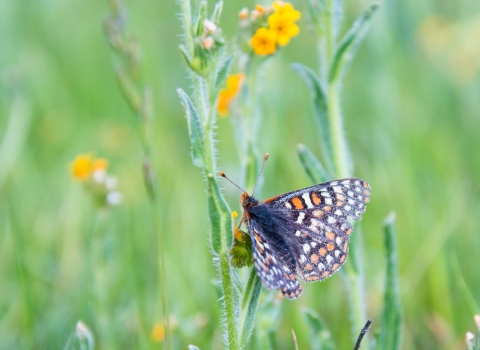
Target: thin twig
364,331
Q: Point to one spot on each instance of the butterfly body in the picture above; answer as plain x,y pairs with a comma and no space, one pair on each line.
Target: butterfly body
304,233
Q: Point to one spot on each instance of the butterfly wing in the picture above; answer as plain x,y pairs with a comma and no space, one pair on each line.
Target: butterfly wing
274,266
317,229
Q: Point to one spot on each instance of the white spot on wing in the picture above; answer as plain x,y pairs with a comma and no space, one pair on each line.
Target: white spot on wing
288,205
306,248
302,259
298,233
300,218
329,259
321,267
338,212
331,220
328,201
306,198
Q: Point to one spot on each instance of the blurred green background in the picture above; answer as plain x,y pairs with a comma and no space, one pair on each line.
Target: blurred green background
411,102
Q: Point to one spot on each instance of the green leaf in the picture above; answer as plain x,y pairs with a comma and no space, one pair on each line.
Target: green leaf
319,97
249,304
392,314
320,336
195,131
314,169
348,46
222,72
337,16
200,18
217,12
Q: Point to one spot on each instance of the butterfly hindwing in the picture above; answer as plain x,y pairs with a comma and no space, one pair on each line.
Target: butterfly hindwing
270,266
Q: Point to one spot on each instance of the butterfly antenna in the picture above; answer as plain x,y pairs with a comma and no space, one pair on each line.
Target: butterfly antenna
265,157
222,174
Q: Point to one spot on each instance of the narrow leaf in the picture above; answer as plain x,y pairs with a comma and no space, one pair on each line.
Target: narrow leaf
314,169
337,16
222,72
195,131
320,336
249,306
348,46
217,12
319,97
391,322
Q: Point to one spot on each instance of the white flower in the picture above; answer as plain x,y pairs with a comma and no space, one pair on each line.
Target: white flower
99,176
114,198
209,26
83,332
469,338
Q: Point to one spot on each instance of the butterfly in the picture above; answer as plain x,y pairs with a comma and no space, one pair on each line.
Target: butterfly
302,233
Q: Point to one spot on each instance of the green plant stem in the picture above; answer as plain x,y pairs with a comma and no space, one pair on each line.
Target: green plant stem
218,210
338,136
354,267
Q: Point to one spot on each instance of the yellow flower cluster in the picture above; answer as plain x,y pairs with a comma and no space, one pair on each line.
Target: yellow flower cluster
225,97
83,166
281,28
93,173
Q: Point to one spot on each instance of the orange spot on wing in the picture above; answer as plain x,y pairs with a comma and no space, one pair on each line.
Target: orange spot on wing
325,274
345,246
349,231
322,251
335,266
316,199
339,204
318,213
314,258
340,197
308,267
327,208
330,235
330,246
342,259
297,203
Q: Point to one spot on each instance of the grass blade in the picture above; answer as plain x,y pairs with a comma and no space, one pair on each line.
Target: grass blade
392,315
320,336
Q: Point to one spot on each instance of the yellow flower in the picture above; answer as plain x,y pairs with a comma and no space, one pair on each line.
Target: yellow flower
82,167
284,27
264,42
234,82
158,332
234,214
286,10
99,164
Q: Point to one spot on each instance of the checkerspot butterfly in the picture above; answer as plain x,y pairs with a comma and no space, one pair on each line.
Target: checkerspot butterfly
304,232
